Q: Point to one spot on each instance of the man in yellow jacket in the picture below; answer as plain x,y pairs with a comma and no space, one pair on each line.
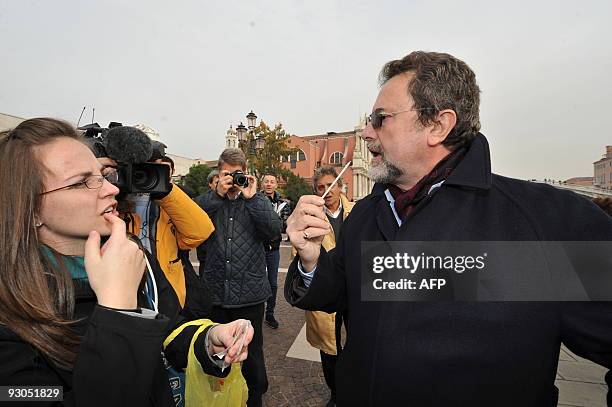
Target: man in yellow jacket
321,326
166,226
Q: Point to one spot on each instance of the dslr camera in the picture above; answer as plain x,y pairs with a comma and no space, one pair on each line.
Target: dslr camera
239,178
131,148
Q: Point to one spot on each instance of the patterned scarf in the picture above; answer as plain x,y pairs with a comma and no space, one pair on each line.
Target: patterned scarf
406,201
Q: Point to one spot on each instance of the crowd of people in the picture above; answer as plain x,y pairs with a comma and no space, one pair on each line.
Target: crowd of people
98,294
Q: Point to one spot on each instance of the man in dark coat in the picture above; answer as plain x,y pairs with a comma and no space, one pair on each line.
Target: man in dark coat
234,269
272,248
434,183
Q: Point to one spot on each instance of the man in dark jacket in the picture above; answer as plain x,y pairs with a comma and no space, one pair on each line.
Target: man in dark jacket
272,248
235,269
434,183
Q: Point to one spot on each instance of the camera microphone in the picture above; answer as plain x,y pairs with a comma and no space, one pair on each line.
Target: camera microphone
128,145
131,148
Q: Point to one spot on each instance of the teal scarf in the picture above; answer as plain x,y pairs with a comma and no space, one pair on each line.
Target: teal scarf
75,264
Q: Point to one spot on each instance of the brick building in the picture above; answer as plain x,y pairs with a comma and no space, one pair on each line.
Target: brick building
335,150
330,149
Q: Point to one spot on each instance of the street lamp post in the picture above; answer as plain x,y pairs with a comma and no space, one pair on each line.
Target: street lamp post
247,141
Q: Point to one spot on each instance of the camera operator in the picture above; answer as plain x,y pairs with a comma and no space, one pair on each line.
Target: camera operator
235,267
165,222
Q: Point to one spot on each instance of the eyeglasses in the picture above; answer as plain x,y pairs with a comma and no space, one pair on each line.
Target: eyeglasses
91,182
378,115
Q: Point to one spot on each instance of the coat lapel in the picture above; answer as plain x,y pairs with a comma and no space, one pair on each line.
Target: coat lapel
385,220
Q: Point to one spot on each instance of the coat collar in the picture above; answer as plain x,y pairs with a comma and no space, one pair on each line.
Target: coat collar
474,171
347,205
329,241
274,198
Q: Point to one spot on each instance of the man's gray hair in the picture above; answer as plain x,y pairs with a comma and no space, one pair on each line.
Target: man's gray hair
211,175
440,82
322,171
232,156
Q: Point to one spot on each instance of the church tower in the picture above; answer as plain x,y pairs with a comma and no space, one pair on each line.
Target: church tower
231,139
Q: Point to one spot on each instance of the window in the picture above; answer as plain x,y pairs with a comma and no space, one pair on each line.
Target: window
297,156
336,158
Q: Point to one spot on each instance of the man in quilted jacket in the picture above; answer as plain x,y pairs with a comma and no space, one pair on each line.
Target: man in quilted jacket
235,268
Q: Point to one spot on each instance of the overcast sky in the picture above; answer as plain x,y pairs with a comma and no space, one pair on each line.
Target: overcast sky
191,68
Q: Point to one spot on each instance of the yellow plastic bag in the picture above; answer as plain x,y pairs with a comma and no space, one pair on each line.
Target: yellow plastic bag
205,390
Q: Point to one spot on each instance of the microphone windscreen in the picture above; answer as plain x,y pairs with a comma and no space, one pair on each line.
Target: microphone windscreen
128,145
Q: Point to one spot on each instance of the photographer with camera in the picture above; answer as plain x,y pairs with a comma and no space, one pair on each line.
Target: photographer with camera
82,305
235,266
165,219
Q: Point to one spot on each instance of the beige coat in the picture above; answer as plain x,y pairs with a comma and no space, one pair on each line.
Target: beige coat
321,326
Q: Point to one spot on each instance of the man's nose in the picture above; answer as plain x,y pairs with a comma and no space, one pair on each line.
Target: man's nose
368,132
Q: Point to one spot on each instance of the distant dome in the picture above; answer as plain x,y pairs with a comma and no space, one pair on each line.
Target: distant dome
149,131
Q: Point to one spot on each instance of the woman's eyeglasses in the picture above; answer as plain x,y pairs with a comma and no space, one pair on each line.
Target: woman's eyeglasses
91,182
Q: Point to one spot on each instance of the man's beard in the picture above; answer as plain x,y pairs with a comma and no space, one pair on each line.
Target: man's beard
384,172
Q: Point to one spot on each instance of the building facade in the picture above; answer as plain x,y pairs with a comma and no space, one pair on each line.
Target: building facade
335,150
602,170
231,138
8,122
331,149
183,164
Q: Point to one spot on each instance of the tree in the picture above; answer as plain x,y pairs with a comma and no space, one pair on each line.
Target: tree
268,160
296,187
196,182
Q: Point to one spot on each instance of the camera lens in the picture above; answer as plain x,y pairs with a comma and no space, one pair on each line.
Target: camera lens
144,178
240,179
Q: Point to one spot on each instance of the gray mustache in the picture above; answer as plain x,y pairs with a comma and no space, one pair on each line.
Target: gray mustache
375,148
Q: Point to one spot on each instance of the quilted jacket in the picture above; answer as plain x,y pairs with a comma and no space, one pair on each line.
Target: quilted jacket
235,268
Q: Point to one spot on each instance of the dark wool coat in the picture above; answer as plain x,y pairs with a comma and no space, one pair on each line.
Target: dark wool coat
459,353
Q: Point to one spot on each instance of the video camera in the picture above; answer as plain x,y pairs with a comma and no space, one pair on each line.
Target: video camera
131,148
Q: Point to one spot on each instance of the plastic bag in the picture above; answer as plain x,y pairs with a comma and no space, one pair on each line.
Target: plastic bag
210,391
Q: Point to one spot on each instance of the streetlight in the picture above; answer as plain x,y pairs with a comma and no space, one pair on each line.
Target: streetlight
247,141
260,143
251,118
241,132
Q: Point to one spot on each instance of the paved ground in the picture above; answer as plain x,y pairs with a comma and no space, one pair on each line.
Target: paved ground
580,382
296,379
293,382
